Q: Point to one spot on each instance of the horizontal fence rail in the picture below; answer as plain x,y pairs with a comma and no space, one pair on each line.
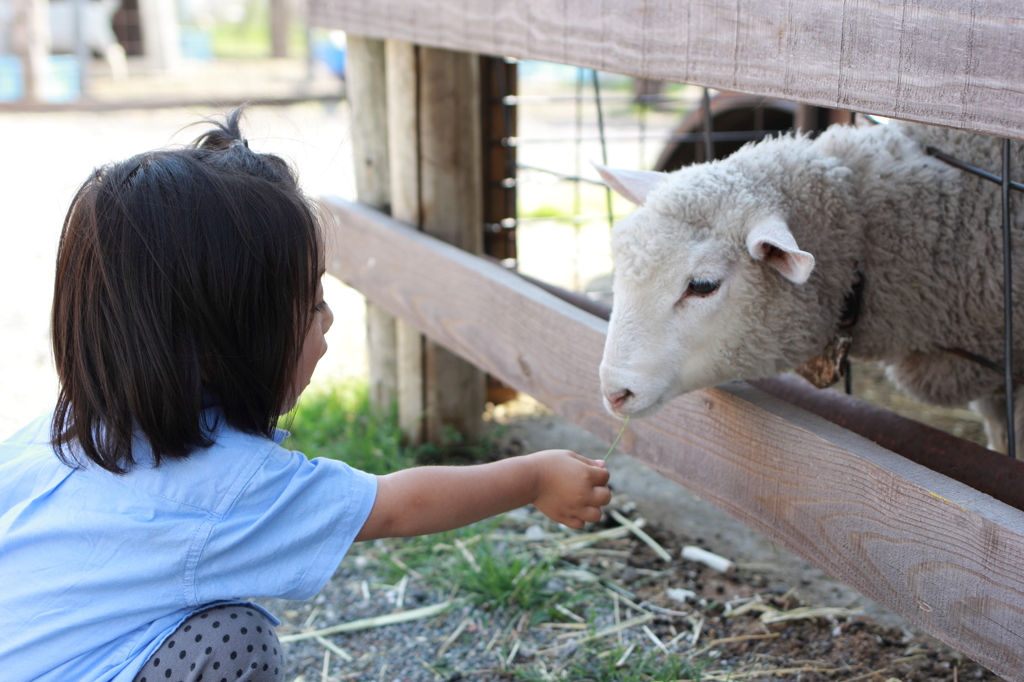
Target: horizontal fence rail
951,64
927,547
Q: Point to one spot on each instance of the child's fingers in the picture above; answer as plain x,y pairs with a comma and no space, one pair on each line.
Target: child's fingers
598,476
590,514
602,495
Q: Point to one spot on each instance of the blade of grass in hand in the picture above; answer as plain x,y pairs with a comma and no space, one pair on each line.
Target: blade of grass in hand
621,431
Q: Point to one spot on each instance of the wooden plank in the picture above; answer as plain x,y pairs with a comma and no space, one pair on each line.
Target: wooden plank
401,78
366,91
939,553
31,33
279,24
435,162
451,209
937,61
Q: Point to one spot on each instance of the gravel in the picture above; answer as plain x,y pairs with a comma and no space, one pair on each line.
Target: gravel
745,625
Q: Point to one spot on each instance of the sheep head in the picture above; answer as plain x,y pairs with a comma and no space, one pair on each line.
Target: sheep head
709,286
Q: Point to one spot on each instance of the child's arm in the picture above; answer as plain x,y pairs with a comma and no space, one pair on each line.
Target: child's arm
565,486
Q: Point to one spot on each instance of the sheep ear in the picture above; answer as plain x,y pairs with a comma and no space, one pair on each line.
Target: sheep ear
772,242
635,185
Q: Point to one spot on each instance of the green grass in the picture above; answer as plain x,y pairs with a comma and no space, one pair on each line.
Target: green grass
500,578
342,423
250,38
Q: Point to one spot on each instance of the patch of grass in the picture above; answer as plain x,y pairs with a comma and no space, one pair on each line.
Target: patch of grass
510,581
342,423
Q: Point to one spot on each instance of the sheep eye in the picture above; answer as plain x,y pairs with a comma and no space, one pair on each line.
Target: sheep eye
702,287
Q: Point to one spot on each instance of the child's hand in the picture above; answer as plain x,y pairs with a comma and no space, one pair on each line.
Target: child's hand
568,488
571,489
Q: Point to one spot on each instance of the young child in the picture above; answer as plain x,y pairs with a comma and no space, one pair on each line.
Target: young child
187,316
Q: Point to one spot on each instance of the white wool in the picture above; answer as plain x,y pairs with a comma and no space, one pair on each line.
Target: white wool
927,238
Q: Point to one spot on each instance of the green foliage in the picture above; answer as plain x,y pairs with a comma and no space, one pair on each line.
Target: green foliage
343,424
500,578
547,211
250,38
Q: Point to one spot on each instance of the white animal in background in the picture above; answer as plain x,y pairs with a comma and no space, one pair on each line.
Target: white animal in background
757,264
97,26
97,31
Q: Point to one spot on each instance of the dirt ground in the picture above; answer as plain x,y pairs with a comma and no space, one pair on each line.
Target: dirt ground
770,616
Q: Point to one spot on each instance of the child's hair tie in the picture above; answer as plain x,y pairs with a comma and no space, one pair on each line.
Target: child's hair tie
240,142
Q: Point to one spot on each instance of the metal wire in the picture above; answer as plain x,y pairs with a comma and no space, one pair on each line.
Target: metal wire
1006,185
563,176
725,136
1011,440
957,163
709,124
604,144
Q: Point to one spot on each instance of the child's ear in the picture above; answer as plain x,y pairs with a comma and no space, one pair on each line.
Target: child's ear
635,185
772,242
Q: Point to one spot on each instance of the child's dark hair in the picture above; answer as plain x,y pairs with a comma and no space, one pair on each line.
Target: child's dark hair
183,276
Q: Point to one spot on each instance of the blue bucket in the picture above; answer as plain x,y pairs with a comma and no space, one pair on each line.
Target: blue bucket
12,80
62,85
195,44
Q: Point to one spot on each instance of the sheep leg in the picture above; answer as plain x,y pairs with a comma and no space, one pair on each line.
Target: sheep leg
993,410
118,61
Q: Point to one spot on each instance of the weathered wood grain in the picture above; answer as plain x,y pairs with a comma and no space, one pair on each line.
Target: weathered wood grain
366,89
401,75
436,186
939,553
938,61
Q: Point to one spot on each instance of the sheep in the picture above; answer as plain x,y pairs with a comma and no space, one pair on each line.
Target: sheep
750,266
96,30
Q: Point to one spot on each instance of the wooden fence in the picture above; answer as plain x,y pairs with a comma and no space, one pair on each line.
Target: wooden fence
941,554
956,64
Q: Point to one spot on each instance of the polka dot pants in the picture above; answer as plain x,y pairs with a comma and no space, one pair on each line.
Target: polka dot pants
227,643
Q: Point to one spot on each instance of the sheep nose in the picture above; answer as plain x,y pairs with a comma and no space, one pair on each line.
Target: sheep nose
617,400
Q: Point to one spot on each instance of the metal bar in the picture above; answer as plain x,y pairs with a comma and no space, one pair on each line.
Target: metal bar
1006,184
724,136
577,178
957,163
644,99
578,219
563,176
604,145
1011,439
709,142
83,53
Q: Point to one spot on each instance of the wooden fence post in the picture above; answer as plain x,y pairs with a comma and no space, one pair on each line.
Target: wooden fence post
404,166
279,20
32,42
367,96
435,163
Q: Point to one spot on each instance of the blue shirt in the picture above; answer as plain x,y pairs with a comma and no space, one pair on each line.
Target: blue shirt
97,569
